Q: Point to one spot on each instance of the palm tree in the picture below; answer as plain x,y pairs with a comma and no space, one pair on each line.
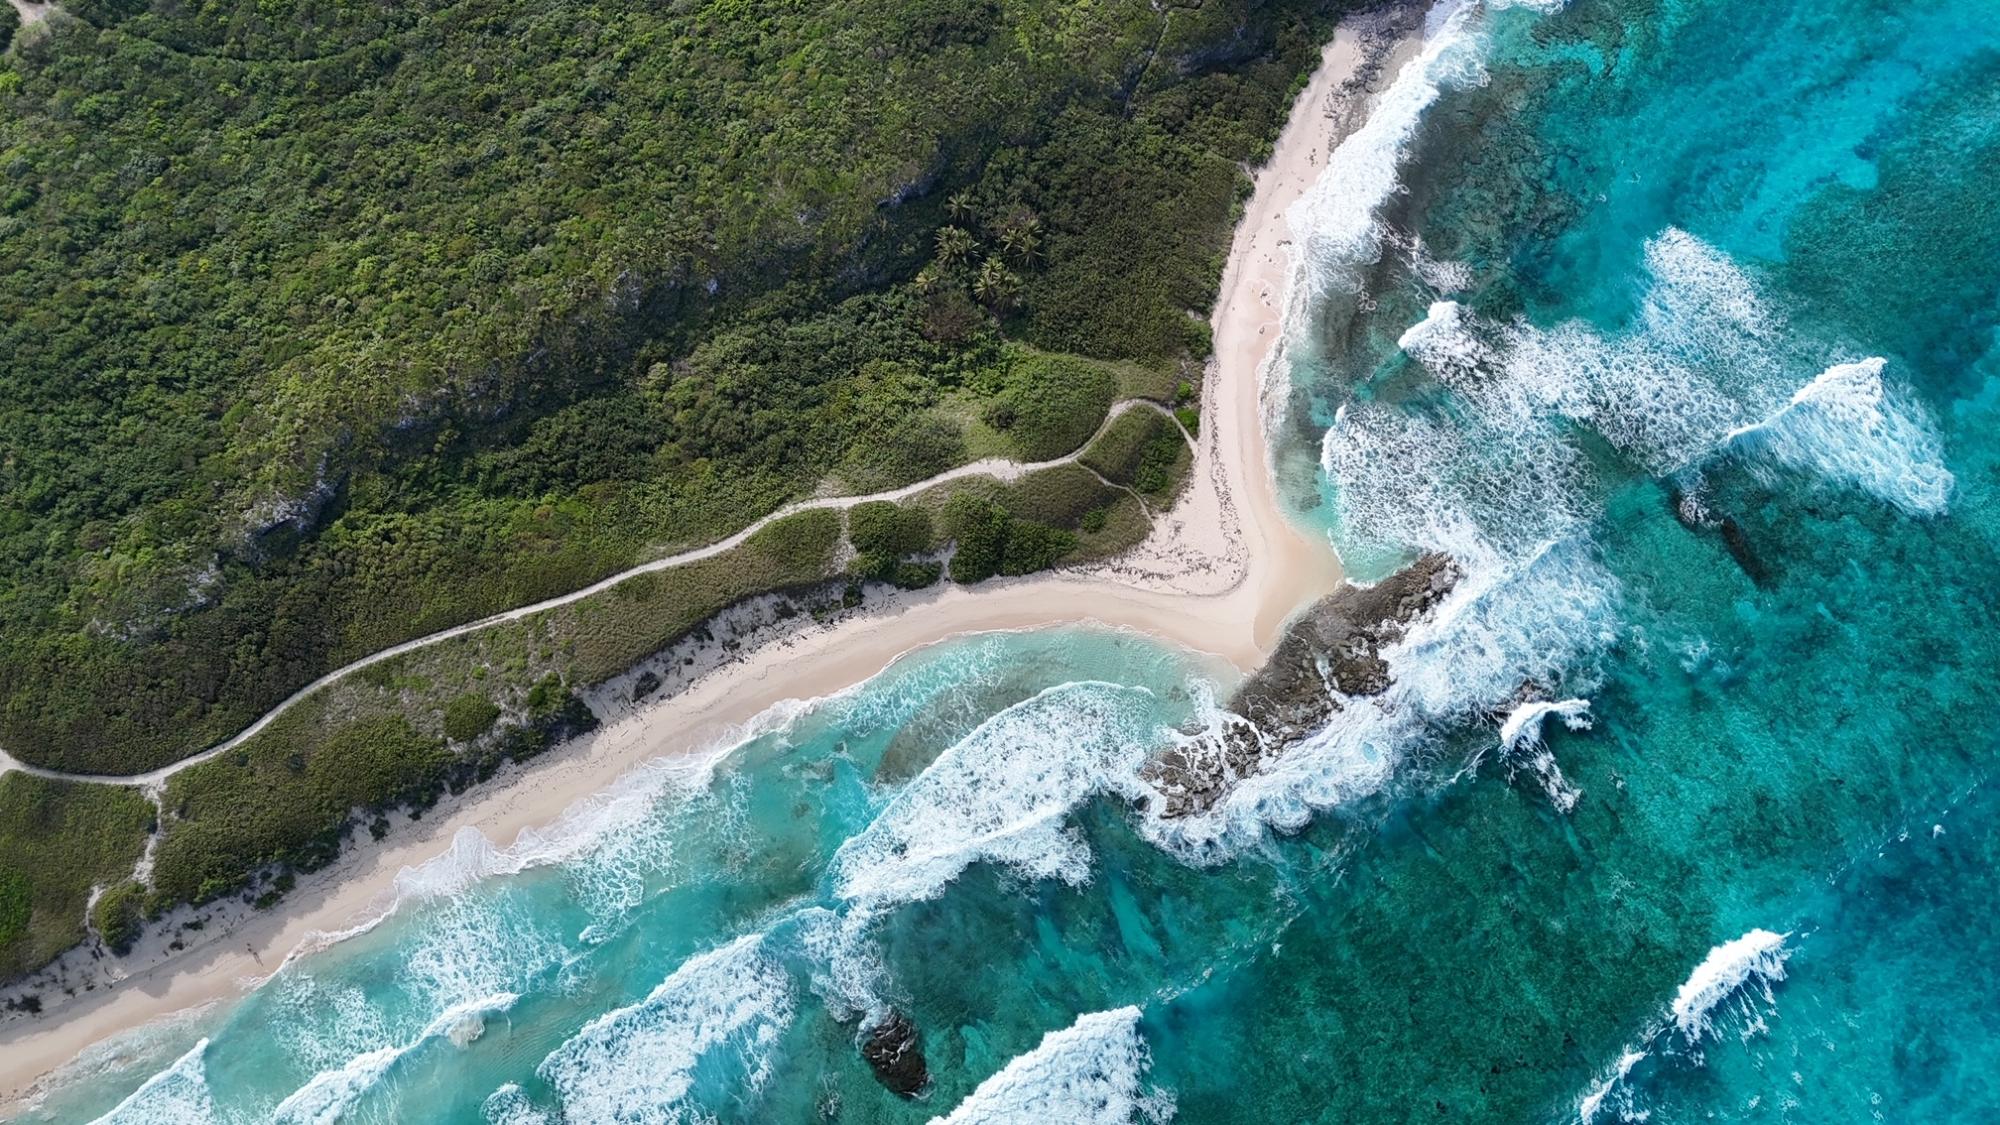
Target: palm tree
960,203
1020,241
995,284
954,245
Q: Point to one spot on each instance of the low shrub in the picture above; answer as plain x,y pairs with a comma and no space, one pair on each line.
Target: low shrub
990,540
884,535
469,716
118,916
1048,405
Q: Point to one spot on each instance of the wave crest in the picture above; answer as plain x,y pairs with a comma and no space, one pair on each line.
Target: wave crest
1093,1070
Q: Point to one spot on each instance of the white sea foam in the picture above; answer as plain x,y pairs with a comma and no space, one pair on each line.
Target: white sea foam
1606,1087
1844,427
1093,1071
330,1094
1754,960
325,1022
1003,794
1542,620
1337,232
1334,223
509,1105
637,1065
1521,743
178,1095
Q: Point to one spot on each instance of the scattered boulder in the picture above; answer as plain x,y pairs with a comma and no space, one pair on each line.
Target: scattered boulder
647,683
896,1054
1695,515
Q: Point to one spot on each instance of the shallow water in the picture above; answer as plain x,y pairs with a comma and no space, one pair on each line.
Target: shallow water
1710,422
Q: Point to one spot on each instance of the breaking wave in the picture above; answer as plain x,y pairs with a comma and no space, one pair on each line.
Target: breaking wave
332,1093
178,1095
1753,962
1004,793
1843,427
1704,366
1521,744
714,1020
1094,1071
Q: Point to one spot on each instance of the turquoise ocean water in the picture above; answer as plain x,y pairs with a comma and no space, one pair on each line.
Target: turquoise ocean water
1673,323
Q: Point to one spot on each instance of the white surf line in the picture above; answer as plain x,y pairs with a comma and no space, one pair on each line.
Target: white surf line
998,468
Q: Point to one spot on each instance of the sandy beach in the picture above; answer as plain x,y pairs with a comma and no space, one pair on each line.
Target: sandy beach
1221,574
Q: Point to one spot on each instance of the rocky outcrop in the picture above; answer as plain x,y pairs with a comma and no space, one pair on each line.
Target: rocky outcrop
896,1054
1694,514
1333,651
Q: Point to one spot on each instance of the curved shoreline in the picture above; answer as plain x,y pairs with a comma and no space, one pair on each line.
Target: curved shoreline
1221,574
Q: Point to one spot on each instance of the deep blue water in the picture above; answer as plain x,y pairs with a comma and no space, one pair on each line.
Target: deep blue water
1675,329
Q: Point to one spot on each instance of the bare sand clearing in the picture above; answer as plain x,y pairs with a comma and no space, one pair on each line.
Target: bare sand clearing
1221,574
32,11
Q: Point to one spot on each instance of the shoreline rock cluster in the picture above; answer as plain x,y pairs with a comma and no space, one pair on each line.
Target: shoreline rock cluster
1331,652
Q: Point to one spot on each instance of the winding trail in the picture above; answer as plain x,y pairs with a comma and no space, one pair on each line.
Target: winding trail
997,468
1221,573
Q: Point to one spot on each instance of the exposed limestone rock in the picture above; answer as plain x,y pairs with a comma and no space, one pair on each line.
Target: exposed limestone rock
896,1054
1333,651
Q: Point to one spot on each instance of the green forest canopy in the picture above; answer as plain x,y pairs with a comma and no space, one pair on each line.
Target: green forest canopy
327,324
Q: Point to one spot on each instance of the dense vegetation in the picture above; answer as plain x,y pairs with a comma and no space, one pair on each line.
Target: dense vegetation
1143,449
327,324
401,733
57,841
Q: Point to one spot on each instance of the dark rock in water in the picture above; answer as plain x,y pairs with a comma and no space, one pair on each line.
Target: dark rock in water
647,683
1744,554
1696,516
896,1054
1333,650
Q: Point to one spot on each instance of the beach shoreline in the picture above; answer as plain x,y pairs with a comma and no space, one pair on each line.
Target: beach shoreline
1221,574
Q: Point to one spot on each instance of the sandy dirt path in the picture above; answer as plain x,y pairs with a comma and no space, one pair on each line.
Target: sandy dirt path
1221,574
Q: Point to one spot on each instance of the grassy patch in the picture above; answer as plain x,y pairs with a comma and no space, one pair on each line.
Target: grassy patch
1143,449
57,840
1048,405
605,635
